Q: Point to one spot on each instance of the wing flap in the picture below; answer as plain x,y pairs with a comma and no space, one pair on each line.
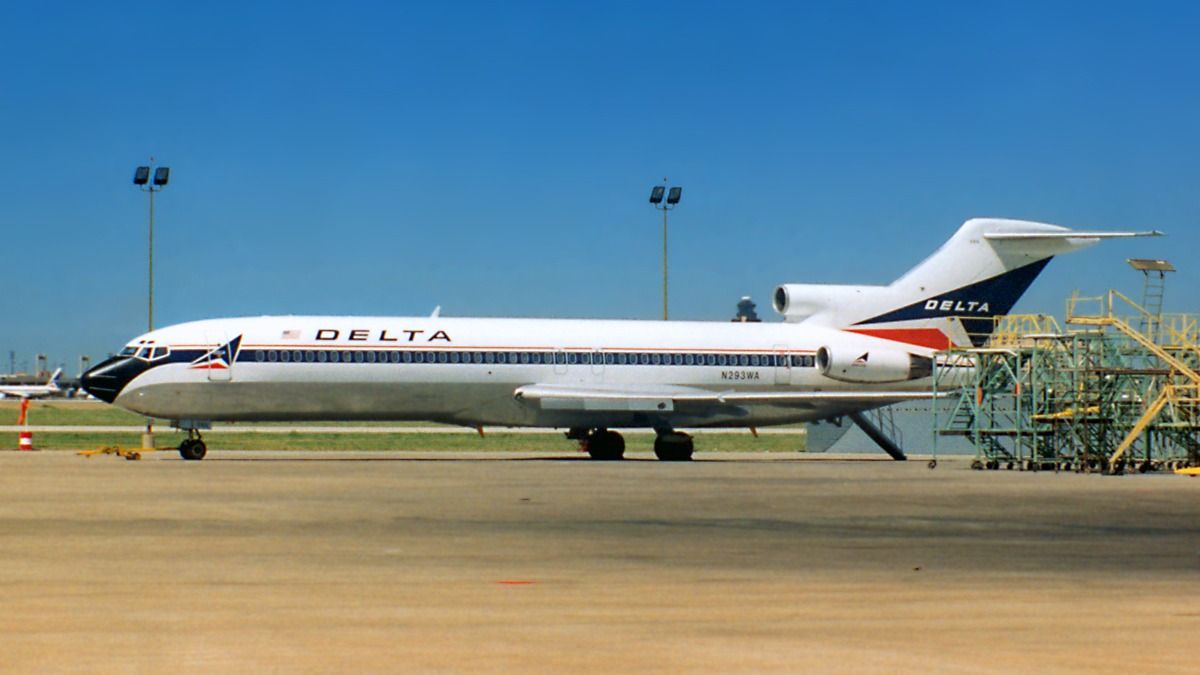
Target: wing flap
666,399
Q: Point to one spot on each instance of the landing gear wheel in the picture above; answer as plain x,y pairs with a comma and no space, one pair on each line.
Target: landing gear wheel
604,445
193,449
932,464
673,446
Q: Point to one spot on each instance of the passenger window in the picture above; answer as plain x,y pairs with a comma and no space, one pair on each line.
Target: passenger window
560,358
689,359
322,356
406,357
259,355
334,357
310,356
572,358
395,357
272,356
370,357
722,360
442,357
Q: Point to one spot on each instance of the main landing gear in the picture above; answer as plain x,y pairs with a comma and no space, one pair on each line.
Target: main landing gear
193,448
608,445
601,444
673,446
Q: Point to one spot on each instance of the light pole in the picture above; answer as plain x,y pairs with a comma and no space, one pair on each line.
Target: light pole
656,200
142,179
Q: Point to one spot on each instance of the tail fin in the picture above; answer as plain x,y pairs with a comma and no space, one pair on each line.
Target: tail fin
952,296
54,378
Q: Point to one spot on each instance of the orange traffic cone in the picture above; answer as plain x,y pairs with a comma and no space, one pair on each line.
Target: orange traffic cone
25,436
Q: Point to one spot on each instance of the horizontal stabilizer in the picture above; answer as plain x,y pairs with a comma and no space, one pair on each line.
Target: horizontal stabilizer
1067,234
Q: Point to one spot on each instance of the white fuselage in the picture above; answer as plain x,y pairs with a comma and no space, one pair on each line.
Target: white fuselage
466,371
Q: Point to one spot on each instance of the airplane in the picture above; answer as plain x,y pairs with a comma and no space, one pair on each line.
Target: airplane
839,351
33,390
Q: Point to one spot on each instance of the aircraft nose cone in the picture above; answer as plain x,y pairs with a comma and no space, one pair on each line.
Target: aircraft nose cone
106,380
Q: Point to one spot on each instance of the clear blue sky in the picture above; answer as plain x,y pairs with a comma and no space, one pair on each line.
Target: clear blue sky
495,158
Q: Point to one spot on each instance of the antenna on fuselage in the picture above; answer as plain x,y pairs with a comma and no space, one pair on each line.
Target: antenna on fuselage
437,311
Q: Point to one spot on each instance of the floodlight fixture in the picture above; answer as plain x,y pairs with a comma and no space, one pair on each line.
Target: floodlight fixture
150,184
672,200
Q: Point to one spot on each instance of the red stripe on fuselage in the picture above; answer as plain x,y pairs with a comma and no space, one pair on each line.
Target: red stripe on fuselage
932,338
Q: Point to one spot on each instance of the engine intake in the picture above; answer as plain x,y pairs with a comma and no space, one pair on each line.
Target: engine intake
872,366
797,302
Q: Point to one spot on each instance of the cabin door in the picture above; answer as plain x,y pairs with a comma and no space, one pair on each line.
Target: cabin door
783,365
220,359
597,366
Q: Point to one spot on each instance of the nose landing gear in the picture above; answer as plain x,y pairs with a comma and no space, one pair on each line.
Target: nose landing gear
193,448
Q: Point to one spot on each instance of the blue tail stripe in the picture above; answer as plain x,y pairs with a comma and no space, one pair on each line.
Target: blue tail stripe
980,300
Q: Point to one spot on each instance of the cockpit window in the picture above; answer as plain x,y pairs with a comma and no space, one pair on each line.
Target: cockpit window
146,351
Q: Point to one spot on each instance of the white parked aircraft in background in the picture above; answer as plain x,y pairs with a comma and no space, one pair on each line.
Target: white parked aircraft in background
840,350
32,390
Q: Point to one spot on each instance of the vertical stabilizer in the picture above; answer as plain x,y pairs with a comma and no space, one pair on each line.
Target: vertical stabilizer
952,297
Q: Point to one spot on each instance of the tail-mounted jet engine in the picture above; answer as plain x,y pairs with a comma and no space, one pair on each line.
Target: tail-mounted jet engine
871,366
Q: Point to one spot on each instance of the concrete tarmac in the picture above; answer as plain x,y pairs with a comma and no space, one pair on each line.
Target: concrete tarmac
402,562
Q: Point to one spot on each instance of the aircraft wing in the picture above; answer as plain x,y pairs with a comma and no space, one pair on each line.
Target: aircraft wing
668,398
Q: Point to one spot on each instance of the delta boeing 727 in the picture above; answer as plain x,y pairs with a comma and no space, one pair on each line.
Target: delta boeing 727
840,350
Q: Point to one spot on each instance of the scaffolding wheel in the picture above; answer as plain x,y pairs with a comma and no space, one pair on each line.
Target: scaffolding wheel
977,465
933,464
1009,466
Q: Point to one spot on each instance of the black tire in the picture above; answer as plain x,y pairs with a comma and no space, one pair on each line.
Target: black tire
673,447
606,446
193,450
